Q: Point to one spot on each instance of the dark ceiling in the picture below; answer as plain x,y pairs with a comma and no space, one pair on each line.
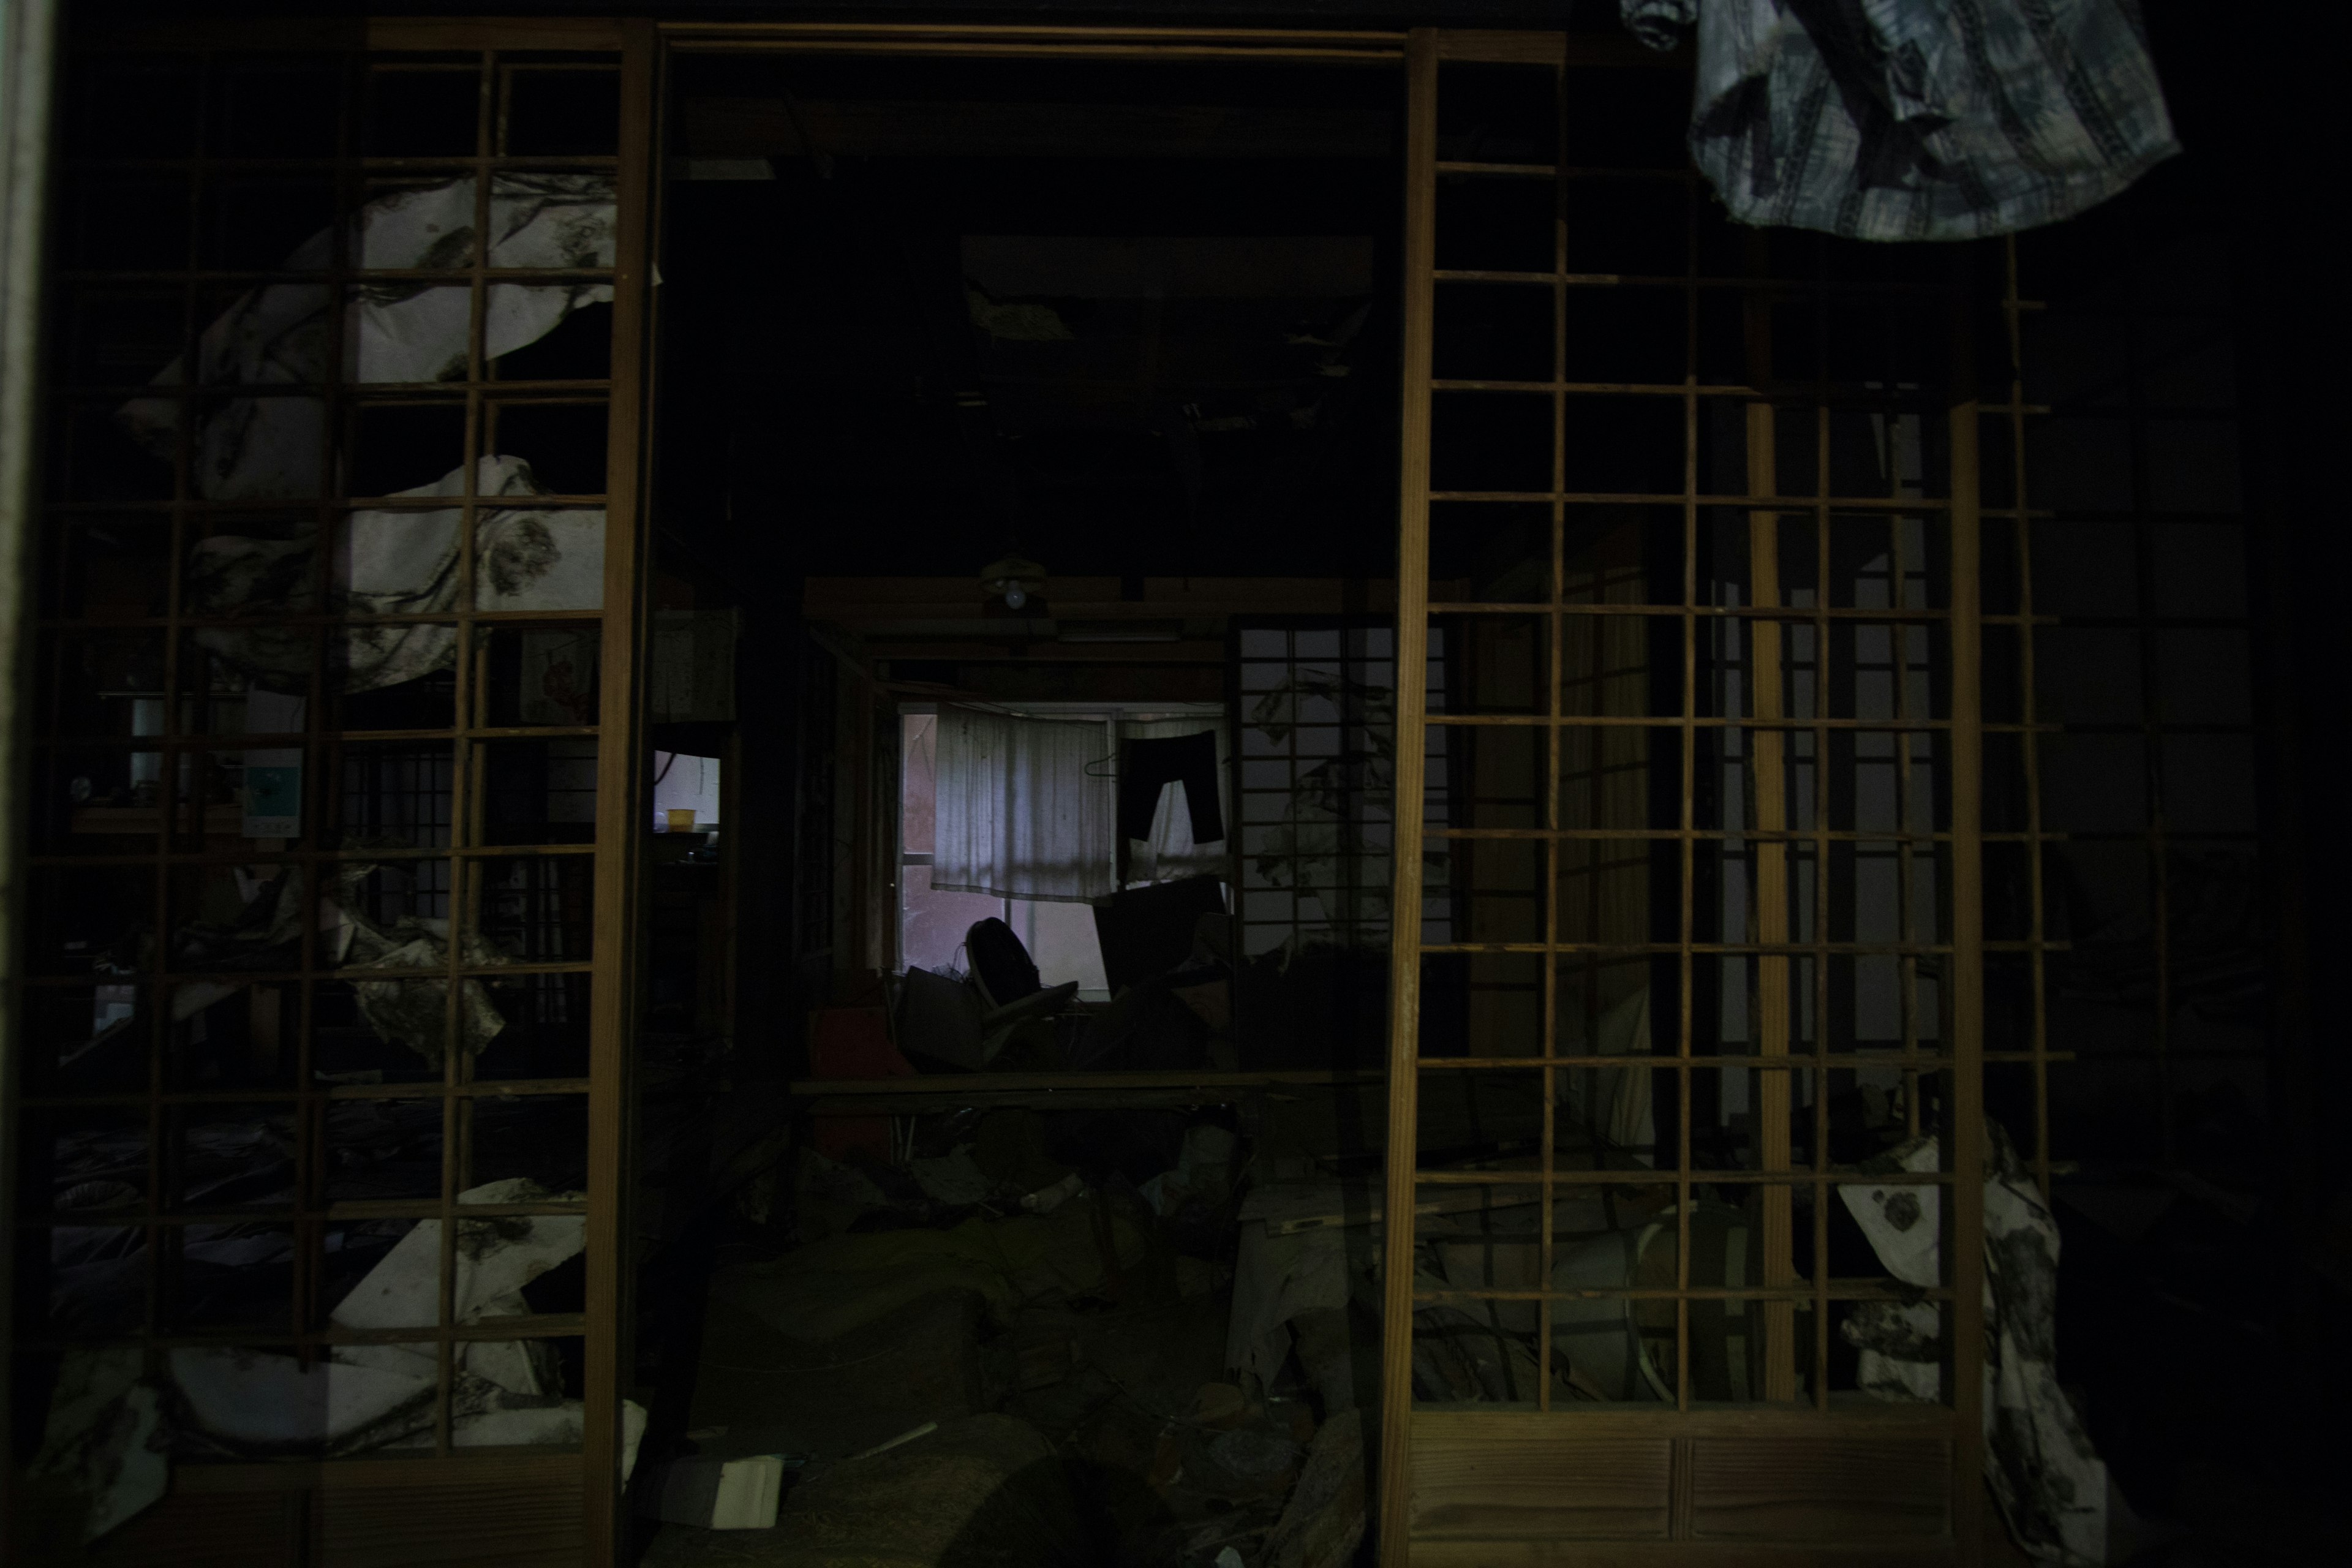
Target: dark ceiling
1127,319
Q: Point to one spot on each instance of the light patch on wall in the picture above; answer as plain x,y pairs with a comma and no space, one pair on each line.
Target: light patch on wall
683,783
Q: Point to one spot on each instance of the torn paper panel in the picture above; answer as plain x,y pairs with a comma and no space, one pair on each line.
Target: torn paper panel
541,560
2040,1462
258,1402
515,1420
396,562
402,333
1903,1221
403,561
109,1431
412,1013
105,1437
268,1405
495,1257
415,1014
554,1423
258,448
361,1399
397,331
535,221
512,1366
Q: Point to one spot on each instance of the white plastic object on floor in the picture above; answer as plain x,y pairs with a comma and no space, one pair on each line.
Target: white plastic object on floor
722,1494
1046,1200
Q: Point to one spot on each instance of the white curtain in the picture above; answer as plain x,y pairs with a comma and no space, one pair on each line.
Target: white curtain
1027,807
1169,855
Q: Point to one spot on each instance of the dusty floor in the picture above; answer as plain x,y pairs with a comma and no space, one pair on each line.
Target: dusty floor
1109,1426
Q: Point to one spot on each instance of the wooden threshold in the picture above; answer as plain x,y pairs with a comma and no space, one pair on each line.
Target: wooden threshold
1787,1483
1497,1553
1471,1424
979,1082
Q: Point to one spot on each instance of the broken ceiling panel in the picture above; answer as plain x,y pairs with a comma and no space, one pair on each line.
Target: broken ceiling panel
1186,336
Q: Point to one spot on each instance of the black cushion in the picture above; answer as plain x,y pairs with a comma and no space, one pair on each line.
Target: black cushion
1004,967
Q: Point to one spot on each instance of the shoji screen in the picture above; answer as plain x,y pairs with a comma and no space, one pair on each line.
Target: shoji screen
333,777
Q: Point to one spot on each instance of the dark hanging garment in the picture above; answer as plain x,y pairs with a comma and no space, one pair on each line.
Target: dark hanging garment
1915,120
1147,767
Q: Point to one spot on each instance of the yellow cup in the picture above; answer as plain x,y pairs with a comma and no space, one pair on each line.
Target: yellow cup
681,819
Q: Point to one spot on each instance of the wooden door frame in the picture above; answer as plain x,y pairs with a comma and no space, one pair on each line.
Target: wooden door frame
1560,1443
645,45
622,789
27,63
1419,50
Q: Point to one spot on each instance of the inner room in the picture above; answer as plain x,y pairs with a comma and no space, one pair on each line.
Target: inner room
1064,395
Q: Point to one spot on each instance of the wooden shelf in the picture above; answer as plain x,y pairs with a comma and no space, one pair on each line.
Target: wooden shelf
220,821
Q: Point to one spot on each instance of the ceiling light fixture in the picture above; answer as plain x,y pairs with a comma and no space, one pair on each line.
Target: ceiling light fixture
1014,580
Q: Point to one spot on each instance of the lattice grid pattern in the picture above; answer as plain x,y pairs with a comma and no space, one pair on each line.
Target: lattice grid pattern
316,746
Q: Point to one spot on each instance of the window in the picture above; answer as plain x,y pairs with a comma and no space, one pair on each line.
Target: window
1059,935
688,784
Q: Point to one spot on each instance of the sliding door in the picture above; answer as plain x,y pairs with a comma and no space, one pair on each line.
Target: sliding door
1711,852
335,790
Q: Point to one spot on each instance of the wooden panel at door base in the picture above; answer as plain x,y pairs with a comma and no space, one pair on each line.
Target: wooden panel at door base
222,1530
1819,1489
1673,1555
535,1521
523,1526
1539,1482
1573,1489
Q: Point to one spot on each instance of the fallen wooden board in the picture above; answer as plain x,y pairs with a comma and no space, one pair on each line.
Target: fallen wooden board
1289,1207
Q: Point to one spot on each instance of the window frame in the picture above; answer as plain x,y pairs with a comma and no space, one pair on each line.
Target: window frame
1112,715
